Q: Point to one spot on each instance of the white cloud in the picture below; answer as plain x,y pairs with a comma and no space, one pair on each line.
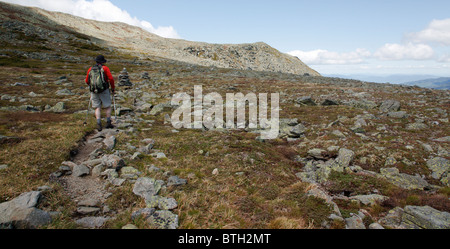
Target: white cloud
409,51
100,10
438,31
325,57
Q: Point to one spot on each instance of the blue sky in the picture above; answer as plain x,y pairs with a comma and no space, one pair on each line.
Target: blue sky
332,36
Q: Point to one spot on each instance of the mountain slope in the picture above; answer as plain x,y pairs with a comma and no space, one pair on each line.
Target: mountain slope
442,83
138,42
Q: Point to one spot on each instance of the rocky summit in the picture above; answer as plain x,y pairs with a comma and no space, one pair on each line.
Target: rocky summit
348,154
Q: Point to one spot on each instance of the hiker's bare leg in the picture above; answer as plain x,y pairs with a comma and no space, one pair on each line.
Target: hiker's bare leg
98,113
108,112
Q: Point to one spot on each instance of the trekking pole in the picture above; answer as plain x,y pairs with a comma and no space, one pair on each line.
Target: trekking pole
87,112
115,112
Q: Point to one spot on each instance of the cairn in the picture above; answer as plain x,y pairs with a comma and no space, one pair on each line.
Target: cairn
124,79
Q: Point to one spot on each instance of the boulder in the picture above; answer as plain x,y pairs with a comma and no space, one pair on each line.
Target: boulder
369,199
390,106
92,222
439,166
21,212
80,170
425,218
305,101
163,219
110,142
402,180
146,187
176,181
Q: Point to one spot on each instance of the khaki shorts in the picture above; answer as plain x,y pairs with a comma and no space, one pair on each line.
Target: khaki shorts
99,99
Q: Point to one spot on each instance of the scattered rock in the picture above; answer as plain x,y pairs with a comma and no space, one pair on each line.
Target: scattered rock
130,226
390,106
80,170
375,226
21,212
440,167
92,222
163,219
426,217
305,101
176,181
110,142
369,199
354,222
146,187
402,180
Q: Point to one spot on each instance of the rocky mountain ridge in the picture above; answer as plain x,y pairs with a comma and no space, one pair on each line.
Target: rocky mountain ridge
256,56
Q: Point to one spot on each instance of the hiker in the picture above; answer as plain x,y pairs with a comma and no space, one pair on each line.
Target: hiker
100,80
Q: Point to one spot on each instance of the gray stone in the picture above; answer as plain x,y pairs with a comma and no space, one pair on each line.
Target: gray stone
145,213
390,106
129,226
401,114
113,161
64,92
402,180
90,202
439,166
163,219
376,226
176,181
416,126
393,219
306,101
146,187
97,170
354,222
442,139
88,210
425,218
21,212
3,166
92,222
316,153
329,102
369,199
345,157
80,170
110,142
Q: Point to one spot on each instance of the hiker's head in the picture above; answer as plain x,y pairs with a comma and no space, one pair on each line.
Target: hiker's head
100,59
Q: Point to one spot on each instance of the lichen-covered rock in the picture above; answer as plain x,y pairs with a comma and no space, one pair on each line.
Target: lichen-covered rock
176,181
439,166
390,106
163,219
369,199
416,126
129,173
345,157
402,180
354,222
393,219
146,187
425,218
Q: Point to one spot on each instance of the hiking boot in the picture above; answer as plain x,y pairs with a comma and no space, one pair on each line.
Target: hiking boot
109,125
99,127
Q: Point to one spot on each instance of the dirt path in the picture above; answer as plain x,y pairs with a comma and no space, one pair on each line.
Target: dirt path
87,187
